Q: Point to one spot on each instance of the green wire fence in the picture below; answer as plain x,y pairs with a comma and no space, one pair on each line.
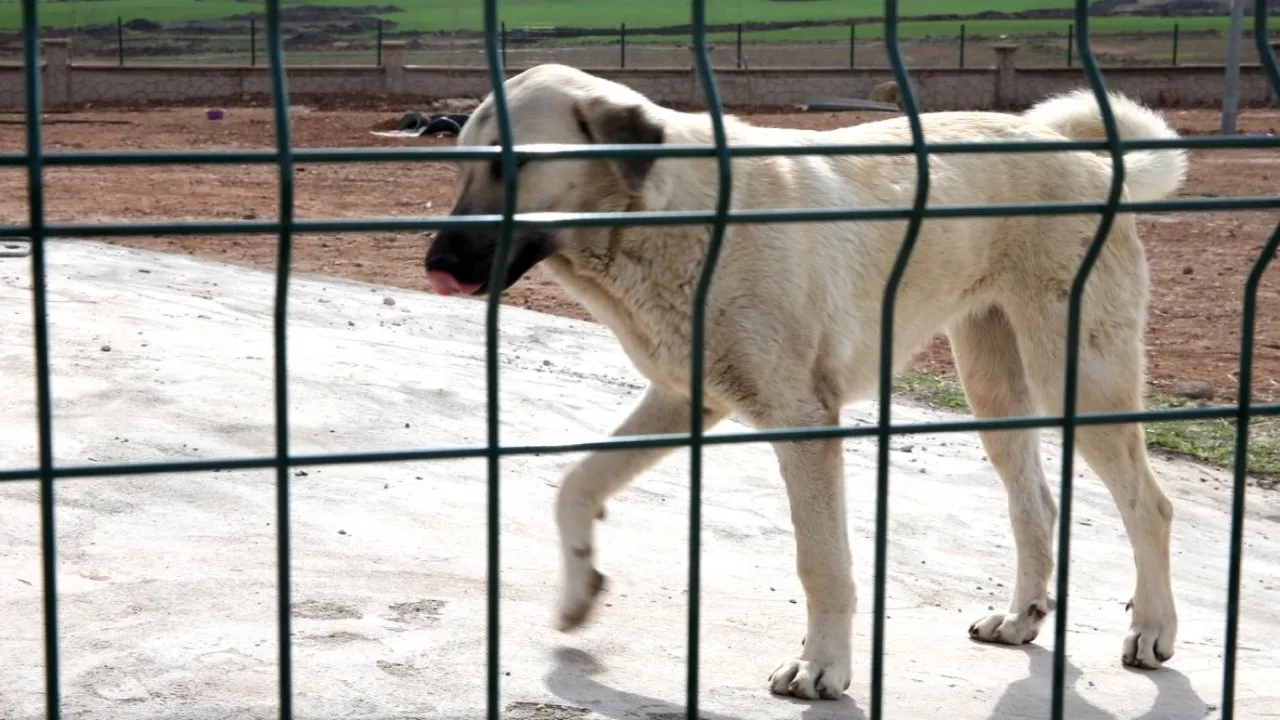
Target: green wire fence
285,158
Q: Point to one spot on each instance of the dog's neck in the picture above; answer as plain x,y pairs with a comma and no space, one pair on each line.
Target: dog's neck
606,268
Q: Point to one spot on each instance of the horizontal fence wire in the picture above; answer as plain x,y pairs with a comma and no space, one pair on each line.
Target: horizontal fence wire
285,157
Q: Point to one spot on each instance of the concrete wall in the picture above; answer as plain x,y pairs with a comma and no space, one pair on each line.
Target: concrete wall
1001,86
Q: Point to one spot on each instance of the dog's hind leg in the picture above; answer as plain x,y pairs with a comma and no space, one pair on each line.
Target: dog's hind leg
991,371
1111,381
814,474
587,486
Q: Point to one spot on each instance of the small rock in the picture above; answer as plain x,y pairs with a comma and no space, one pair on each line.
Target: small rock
106,348
1193,389
388,301
1188,270
351,323
342,532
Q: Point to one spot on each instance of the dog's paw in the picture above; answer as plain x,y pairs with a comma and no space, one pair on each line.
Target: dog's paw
1150,641
811,679
1012,628
578,598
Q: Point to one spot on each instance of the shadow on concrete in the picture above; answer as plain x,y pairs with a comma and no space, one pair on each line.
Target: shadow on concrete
571,681
1032,696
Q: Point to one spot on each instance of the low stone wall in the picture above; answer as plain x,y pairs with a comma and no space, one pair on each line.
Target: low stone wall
1003,86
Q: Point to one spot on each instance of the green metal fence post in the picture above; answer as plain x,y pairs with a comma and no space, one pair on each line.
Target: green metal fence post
962,45
1071,32
495,56
1071,382
724,191
1244,394
739,46
253,42
120,41
1174,59
853,45
622,45
37,233
890,298
378,41
504,44
280,316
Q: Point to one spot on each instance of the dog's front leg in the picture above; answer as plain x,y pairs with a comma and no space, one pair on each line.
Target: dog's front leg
814,474
590,483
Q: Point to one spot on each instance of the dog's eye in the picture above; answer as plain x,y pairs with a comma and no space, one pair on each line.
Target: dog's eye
495,167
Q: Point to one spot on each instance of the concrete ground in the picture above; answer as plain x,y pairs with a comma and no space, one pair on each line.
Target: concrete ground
168,582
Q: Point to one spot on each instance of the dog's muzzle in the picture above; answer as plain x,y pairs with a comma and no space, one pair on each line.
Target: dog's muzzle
461,263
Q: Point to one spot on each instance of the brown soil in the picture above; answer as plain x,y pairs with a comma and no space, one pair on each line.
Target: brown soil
1199,262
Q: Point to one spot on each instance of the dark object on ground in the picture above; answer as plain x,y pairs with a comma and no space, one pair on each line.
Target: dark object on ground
445,123
844,104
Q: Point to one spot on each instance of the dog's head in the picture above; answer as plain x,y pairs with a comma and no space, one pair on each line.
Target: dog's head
548,104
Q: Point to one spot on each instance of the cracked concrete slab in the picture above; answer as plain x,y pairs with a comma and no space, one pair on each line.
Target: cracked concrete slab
167,583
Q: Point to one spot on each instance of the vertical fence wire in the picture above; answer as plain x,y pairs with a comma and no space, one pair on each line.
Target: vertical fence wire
284,261
1244,394
724,192
1071,381
911,109
44,397
495,53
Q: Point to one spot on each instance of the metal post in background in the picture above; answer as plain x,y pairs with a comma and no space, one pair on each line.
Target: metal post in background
1231,88
739,46
1174,59
961,45
504,44
120,41
1071,41
853,44
379,41
622,45
253,42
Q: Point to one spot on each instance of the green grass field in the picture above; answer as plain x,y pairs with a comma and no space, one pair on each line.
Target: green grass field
430,15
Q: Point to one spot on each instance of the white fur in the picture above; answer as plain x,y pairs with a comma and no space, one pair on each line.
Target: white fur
794,323
1149,174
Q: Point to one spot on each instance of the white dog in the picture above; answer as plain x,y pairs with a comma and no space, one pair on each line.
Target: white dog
794,317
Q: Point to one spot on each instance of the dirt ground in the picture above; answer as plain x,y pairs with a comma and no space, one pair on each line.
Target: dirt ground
1199,262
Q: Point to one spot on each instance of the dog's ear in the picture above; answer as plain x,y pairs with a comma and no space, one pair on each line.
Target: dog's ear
608,123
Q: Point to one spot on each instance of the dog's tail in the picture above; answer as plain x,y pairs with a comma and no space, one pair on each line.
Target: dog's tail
1149,174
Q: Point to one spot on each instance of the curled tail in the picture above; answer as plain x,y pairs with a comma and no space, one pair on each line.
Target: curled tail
1149,174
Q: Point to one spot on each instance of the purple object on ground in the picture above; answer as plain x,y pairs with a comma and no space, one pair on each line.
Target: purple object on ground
215,114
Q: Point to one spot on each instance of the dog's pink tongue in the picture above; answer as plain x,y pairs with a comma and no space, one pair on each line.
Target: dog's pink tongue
444,283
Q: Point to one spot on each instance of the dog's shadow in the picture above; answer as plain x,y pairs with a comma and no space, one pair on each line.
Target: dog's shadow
1032,696
571,680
